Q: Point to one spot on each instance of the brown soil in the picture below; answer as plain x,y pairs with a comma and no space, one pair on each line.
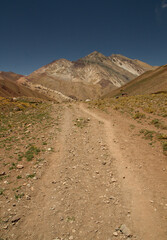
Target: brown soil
101,175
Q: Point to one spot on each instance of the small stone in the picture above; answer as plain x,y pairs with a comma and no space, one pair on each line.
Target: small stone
19,166
15,219
125,230
54,182
111,197
49,149
71,238
2,173
28,197
115,234
113,180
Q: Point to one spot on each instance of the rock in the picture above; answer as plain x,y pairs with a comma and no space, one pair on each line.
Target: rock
2,173
15,219
113,180
28,197
115,234
71,238
5,227
54,182
125,230
19,166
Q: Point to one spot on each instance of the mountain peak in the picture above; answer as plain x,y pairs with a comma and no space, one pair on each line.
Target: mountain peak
95,55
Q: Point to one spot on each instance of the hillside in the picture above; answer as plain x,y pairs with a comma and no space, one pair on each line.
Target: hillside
88,77
9,76
10,88
150,82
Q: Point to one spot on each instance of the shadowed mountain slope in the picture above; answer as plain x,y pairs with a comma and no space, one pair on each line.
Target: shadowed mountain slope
10,88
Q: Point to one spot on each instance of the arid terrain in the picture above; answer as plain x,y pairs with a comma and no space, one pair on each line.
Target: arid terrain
82,154
89,77
87,171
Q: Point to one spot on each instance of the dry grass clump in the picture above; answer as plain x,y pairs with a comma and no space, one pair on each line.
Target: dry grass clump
150,110
154,104
24,140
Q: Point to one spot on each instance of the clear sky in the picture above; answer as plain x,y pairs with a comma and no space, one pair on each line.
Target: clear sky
35,32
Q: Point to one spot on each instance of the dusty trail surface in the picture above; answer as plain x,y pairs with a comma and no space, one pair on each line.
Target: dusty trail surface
97,181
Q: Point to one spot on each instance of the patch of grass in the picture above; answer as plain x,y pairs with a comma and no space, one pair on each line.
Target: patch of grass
161,136
70,219
132,126
20,156
158,124
147,134
19,177
17,196
17,188
164,146
32,150
4,177
139,115
1,191
13,166
81,122
31,175
154,104
39,160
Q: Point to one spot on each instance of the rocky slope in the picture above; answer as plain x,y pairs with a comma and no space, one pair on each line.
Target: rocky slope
150,82
9,76
10,88
88,77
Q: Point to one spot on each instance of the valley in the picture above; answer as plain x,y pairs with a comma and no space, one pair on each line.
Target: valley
83,151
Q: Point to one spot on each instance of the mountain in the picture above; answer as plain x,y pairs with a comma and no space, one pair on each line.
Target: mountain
10,88
9,76
150,82
89,77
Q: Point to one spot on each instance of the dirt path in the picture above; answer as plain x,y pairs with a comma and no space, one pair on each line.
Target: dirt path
91,188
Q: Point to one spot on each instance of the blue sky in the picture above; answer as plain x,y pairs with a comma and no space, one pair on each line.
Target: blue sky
34,33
